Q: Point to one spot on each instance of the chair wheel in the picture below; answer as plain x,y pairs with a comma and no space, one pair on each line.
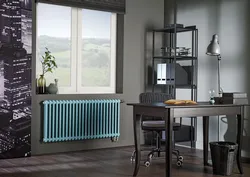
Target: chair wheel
150,156
180,158
179,163
132,159
147,163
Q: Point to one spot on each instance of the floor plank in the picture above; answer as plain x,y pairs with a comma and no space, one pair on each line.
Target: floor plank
104,163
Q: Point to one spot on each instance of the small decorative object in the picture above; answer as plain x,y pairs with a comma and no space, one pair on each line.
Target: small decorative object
183,51
48,64
173,25
41,84
211,93
180,51
53,88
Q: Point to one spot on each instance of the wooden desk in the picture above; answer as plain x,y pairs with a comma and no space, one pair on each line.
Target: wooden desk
169,112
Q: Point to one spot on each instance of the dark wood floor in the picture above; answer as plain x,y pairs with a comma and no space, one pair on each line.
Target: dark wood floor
103,163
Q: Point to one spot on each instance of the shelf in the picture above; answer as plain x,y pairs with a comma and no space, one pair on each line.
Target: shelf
188,86
178,29
177,58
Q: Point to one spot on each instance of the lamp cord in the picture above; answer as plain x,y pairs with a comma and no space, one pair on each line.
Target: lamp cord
220,93
223,119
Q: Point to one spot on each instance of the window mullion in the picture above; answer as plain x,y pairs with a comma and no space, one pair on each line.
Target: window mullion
79,50
74,49
113,37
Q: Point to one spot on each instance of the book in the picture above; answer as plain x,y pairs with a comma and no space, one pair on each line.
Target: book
235,95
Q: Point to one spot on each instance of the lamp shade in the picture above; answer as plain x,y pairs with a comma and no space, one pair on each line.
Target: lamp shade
213,48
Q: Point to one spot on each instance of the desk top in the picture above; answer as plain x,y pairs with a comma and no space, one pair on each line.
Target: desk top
198,105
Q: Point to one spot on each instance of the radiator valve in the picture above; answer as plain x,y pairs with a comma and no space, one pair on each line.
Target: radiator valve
114,139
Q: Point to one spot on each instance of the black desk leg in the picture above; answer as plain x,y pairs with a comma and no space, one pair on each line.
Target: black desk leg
193,143
240,123
137,120
169,118
205,139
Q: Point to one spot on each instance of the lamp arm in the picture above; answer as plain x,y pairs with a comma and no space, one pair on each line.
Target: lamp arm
219,88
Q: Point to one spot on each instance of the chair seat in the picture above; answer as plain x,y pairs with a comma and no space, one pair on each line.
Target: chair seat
158,125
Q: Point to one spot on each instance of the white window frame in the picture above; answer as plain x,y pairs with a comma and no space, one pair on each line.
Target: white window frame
76,49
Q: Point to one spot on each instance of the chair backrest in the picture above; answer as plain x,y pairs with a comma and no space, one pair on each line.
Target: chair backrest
149,97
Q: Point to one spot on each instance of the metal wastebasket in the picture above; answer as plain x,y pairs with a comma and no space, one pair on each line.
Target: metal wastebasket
223,157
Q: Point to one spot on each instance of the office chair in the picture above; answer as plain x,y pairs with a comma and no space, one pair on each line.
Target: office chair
156,124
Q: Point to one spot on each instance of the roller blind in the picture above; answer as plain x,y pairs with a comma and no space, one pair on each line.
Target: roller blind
116,6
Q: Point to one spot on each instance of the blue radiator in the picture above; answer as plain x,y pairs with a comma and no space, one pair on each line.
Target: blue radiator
70,120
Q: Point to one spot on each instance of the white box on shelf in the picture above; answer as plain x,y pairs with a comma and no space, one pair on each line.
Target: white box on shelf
161,73
166,74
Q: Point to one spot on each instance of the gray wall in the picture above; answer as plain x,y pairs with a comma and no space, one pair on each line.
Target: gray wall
230,20
140,16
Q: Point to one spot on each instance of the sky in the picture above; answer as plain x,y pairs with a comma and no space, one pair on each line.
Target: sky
55,21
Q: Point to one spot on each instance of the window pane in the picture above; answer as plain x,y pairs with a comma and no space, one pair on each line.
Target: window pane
54,32
96,42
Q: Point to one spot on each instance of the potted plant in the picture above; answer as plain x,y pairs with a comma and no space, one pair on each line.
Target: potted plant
48,65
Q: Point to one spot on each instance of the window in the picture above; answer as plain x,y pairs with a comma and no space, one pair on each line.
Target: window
84,45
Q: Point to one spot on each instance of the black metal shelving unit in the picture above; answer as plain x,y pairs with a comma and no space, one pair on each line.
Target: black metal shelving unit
170,40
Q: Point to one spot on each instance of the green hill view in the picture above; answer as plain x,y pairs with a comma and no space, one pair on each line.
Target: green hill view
95,60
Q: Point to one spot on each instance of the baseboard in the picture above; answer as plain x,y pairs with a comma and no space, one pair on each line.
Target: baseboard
245,160
184,146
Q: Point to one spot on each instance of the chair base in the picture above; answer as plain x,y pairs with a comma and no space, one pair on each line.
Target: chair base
158,151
